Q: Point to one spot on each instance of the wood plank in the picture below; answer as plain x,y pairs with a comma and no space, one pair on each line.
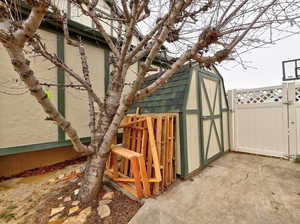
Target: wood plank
137,177
153,148
133,136
123,178
158,137
170,151
144,141
114,161
125,134
131,122
126,153
125,140
149,159
158,133
139,137
162,151
128,146
133,142
165,152
174,148
145,180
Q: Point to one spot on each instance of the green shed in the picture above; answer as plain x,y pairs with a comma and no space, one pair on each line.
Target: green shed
197,97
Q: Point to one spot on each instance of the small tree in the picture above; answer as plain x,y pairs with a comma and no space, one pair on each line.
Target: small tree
208,32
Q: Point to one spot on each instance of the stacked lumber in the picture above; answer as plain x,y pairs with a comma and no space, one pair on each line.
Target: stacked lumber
144,163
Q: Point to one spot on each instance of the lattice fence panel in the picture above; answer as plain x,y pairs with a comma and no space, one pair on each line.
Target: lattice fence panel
260,96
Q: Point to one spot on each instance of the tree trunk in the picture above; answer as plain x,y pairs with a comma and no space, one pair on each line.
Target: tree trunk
93,176
96,164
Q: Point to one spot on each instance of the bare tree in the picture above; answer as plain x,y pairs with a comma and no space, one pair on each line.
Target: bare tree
208,32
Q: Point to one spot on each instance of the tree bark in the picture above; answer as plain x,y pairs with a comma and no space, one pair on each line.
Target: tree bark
93,176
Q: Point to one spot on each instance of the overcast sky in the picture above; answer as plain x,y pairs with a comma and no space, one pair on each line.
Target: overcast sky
266,62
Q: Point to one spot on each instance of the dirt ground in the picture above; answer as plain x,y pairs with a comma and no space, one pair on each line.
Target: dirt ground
29,200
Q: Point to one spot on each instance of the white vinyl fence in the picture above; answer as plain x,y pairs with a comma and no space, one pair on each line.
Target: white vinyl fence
266,120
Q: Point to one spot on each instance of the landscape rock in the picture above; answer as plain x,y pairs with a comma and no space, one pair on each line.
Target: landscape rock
56,219
86,211
60,198
76,191
67,199
103,211
105,202
73,209
78,219
56,210
75,203
108,195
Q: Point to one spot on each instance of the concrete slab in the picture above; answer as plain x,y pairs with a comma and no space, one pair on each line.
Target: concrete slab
237,188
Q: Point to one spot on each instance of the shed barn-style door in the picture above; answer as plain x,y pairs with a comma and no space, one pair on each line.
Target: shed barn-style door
211,122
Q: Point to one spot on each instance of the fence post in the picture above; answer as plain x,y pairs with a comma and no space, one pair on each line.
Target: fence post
292,116
285,116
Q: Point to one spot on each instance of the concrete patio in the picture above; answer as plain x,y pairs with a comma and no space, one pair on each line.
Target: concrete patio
237,188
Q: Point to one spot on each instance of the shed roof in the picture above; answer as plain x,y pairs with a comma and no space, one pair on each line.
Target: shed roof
168,98
172,96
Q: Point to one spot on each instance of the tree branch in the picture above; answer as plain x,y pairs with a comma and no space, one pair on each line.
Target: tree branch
92,14
86,74
125,9
179,5
32,23
41,49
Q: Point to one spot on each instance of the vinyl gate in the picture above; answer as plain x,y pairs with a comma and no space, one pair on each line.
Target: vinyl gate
266,120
